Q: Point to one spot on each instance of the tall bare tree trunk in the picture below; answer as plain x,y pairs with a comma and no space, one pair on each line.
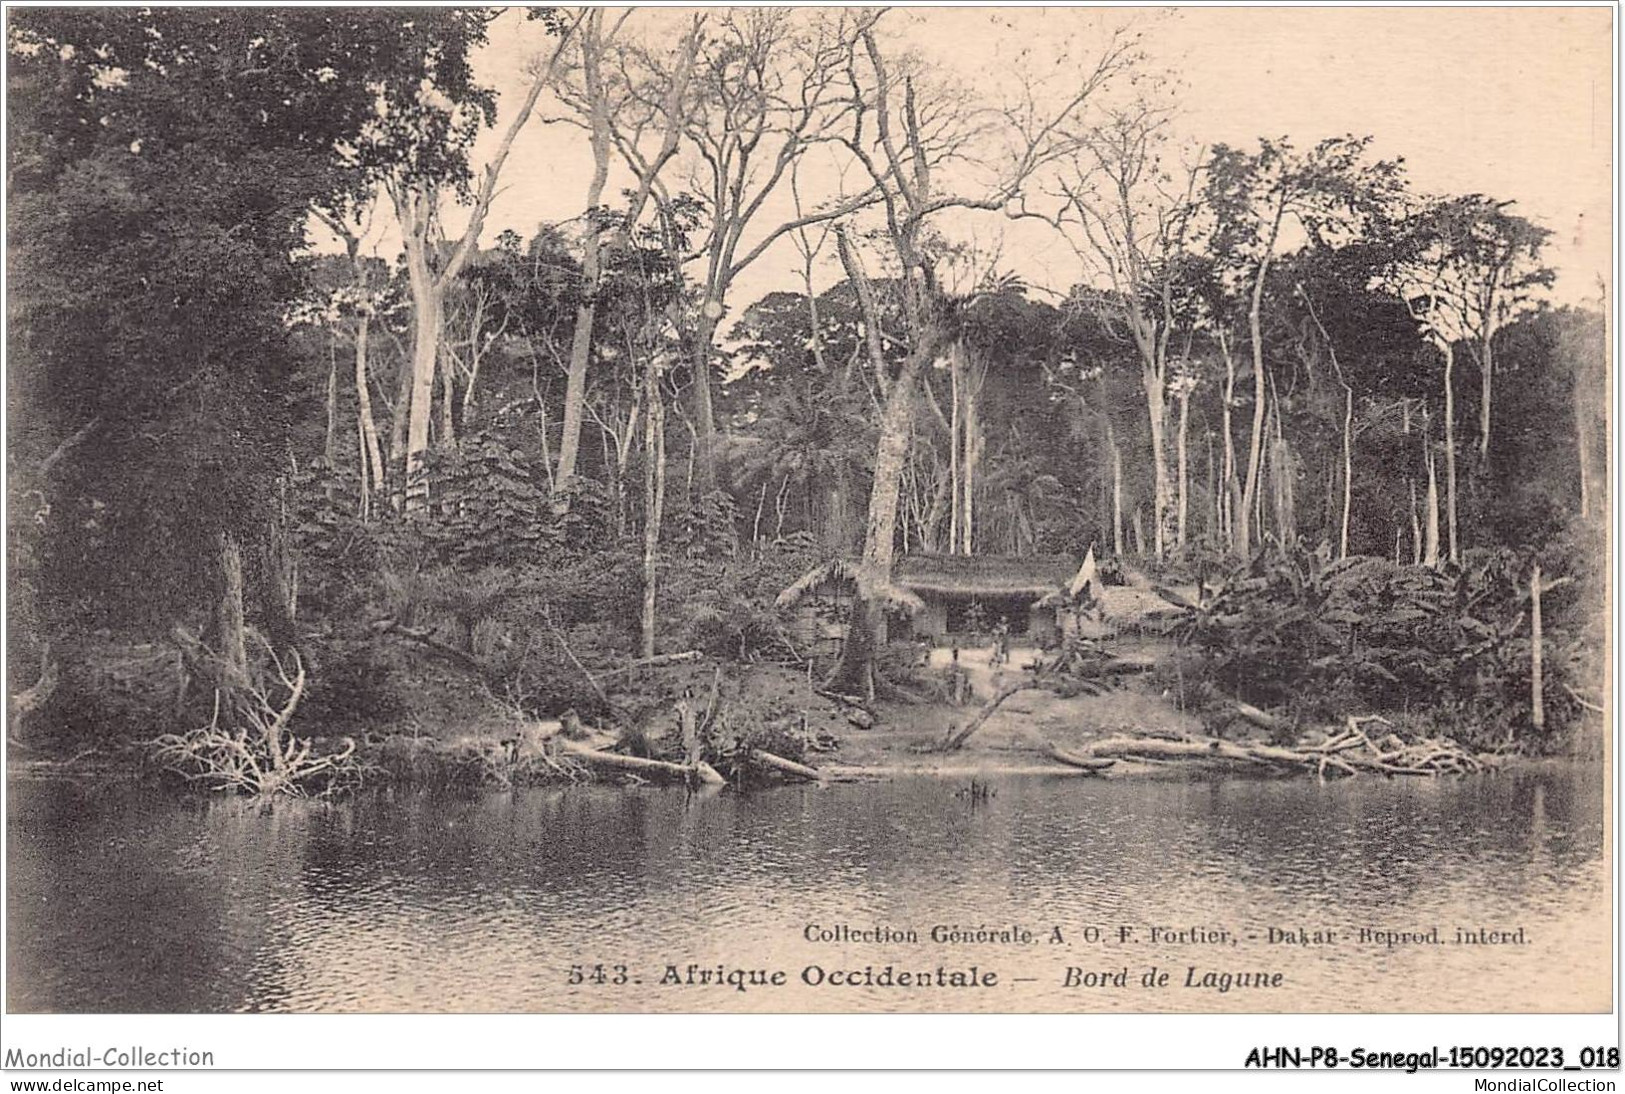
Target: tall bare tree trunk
1410,482
1255,312
705,420
1232,479
1156,403
1257,515
330,445
1117,490
575,386
594,46
414,211
427,301
1255,450
373,453
1486,372
1184,473
654,495
1282,493
1348,470
955,431
1537,676
364,501
854,674
972,452
232,634
1430,549
1103,506
1212,518
1450,448
1416,526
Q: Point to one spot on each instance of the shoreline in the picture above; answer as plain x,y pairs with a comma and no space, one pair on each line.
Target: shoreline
109,769
460,737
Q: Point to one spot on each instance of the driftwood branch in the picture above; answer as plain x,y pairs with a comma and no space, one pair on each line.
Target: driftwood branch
1079,761
700,772
787,767
1261,718
1350,751
955,741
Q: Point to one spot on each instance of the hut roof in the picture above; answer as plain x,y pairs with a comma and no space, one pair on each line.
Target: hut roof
984,575
838,570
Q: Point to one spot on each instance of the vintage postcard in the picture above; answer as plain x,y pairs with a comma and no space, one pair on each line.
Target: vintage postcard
809,510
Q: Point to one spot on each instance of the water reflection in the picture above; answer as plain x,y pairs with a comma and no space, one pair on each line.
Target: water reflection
121,900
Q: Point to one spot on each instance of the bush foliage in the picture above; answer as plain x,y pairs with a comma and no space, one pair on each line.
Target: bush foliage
1327,639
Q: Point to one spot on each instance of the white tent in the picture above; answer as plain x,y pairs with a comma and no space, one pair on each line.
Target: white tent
1088,578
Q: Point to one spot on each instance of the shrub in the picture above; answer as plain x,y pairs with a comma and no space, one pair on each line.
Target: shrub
1325,639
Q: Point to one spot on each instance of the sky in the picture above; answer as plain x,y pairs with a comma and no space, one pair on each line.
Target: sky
1515,103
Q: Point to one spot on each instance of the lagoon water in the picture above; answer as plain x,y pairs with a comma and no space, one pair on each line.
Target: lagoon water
123,899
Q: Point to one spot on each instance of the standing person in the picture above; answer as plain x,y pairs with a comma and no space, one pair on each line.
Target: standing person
1001,641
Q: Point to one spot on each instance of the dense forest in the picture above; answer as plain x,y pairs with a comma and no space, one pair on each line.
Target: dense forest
289,423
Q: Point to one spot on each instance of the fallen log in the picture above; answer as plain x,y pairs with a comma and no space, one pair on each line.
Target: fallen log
1082,763
955,740
1206,748
534,738
653,662
839,697
1261,718
787,767
700,771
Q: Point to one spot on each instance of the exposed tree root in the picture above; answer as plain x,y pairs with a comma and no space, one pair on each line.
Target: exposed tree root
254,753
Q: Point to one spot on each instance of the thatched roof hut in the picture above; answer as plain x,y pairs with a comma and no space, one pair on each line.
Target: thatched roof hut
984,575
968,594
840,571
948,595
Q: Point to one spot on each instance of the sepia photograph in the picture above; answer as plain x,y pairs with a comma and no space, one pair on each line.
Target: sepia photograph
809,510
